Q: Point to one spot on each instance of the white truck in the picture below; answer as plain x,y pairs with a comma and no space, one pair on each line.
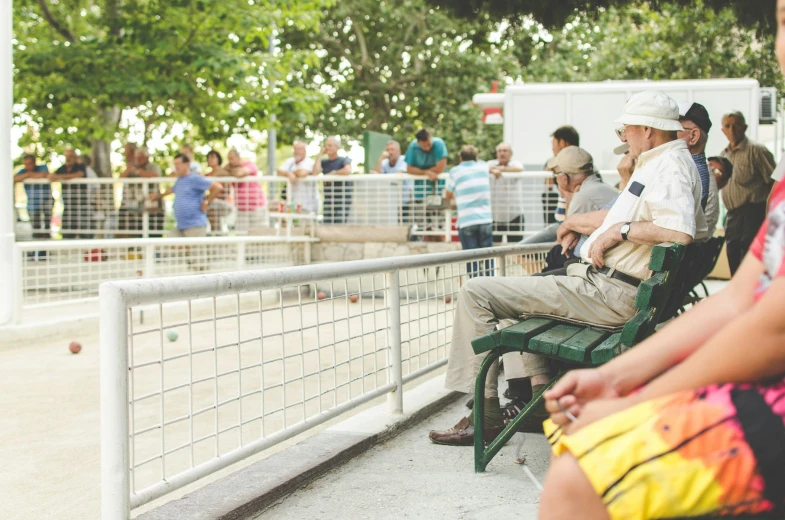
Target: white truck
532,111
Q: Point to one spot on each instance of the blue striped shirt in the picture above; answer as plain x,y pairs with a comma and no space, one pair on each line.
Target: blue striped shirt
703,170
470,183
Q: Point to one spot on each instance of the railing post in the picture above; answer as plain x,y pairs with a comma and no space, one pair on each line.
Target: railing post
17,263
448,225
502,265
145,213
149,261
395,398
115,481
240,256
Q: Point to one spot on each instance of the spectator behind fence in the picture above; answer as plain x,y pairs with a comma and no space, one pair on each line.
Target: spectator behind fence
426,156
391,161
188,150
189,202
77,219
661,203
507,195
747,190
469,185
297,168
133,205
219,208
696,122
337,194
39,196
250,199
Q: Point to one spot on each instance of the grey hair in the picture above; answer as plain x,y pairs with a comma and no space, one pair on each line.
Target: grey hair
736,114
233,151
298,141
504,143
393,141
144,150
335,139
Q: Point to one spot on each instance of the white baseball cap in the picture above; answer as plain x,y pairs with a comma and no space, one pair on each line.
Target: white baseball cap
653,109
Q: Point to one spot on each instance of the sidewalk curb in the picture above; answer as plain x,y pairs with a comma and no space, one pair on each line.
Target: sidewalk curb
248,491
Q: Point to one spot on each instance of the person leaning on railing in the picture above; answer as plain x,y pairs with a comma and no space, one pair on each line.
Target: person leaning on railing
219,207
190,204
507,195
77,215
661,203
39,195
250,199
133,194
304,195
337,194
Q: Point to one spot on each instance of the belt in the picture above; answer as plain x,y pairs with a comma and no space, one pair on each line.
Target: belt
630,280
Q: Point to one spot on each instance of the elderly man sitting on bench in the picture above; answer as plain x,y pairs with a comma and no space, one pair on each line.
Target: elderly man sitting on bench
661,203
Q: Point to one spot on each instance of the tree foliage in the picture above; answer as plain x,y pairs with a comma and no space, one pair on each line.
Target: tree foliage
395,65
664,43
555,13
80,63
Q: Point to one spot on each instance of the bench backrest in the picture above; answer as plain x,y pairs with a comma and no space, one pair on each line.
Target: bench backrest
654,294
698,261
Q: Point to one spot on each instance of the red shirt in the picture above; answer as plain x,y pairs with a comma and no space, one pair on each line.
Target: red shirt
769,244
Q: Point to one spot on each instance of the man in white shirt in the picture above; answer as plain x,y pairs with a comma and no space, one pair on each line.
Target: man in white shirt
296,169
661,203
507,196
391,161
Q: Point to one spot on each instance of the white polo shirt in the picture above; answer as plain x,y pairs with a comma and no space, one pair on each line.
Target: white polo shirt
507,194
305,193
666,190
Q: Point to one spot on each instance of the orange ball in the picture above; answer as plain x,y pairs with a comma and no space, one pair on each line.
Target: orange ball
320,295
75,347
447,299
354,298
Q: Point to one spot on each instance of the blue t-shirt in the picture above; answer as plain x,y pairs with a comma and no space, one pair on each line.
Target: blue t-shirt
336,189
189,195
419,158
38,195
470,183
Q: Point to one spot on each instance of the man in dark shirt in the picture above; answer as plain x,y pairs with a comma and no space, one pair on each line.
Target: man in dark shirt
337,194
76,221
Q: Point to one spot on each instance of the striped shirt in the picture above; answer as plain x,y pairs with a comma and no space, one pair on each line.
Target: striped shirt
472,188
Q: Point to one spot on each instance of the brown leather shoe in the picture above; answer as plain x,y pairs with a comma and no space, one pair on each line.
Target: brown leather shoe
462,434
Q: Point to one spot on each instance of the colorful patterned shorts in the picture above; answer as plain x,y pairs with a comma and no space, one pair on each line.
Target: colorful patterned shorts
718,451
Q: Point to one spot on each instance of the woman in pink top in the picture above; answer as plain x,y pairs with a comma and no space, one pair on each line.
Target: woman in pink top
250,198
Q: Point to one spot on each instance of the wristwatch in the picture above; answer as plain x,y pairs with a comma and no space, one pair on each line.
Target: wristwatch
625,229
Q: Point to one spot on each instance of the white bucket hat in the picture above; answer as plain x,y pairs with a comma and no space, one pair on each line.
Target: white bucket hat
653,109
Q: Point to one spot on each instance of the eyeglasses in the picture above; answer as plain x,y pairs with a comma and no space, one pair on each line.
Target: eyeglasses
621,132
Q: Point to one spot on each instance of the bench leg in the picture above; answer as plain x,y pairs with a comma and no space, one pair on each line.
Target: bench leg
483,455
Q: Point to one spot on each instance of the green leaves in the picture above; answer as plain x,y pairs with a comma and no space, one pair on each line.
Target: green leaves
170,60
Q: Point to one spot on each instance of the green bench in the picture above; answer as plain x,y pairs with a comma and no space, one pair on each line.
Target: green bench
572,344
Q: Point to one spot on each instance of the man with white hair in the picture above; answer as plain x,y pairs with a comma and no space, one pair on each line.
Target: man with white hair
747,190
296,168
507,195
661,203
337,194
391,161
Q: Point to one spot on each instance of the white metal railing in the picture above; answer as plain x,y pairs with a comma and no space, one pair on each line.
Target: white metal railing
70,271
114,208
220,367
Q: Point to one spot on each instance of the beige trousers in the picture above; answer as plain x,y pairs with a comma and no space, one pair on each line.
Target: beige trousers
583,294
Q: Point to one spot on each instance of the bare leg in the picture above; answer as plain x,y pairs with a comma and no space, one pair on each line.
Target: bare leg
568,493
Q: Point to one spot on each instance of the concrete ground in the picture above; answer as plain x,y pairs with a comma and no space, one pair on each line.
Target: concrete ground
410,477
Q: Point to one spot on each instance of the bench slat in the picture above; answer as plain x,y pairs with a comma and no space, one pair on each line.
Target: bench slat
578,348
487,343
518,335
548,342
607,350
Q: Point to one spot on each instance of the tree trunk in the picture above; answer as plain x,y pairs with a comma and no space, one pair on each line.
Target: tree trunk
102,148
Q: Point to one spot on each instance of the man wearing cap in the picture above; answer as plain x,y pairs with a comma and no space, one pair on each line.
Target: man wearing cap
694,118
748,189
661,203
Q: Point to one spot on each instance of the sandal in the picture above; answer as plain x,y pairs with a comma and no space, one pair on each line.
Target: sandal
512,409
